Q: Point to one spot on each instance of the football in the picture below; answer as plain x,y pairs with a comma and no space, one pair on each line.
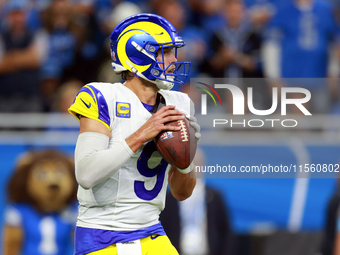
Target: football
178,148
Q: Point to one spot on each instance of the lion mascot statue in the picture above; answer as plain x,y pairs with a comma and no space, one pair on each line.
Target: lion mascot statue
41,214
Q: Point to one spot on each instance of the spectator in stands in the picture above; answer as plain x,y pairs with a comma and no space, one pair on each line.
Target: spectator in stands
260,11
234,49
65,95
298,47
33,10
62,100
22,52
103,9
120,12
64,36
199,225
91,49
205,13
235,45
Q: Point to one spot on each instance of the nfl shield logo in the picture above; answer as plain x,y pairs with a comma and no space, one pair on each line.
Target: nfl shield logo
166,136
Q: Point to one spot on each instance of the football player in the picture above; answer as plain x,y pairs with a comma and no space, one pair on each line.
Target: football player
122,178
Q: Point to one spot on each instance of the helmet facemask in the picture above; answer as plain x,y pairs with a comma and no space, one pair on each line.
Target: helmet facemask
179,70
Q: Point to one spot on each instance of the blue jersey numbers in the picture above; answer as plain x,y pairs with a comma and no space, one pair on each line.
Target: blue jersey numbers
150,166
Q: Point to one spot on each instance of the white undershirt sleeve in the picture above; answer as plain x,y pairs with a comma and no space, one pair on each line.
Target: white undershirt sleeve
95,161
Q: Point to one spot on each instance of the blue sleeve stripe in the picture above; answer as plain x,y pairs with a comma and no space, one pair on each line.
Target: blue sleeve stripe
88,91
103,109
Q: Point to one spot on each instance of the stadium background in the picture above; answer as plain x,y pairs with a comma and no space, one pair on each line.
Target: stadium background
259,207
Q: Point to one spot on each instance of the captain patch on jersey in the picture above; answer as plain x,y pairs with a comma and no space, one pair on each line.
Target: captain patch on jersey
123,110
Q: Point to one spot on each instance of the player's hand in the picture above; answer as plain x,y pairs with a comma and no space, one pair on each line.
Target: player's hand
195,125
193,122
156,123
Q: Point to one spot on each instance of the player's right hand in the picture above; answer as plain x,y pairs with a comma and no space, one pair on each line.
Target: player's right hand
157,122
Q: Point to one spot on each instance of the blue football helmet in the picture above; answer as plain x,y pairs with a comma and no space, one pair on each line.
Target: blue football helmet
134,46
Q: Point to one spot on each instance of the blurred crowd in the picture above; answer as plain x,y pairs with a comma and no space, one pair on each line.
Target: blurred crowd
50,48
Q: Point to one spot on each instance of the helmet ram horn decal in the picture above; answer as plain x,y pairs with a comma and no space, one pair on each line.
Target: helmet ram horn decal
135,43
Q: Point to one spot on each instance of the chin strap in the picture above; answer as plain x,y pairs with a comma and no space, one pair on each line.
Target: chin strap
160,83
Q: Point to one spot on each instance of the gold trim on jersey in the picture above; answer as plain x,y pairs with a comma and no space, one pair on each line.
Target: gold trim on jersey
86,105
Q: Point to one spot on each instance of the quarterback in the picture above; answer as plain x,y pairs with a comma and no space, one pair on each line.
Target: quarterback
122,178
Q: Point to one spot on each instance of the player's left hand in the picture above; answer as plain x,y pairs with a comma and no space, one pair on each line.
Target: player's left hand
195,125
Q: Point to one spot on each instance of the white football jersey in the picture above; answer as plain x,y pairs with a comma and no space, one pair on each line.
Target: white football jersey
134,196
